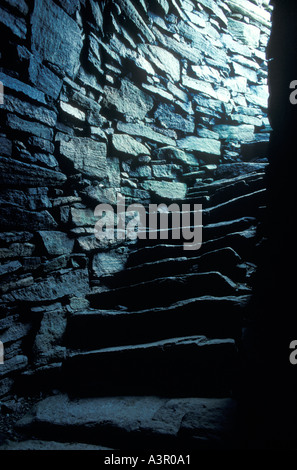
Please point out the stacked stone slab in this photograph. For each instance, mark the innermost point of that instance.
(158, 101)
(141, 324)
(175, 335)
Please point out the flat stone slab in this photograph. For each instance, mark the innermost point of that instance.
(49, 445)
(211, 316)
(166, 290)
(130, 421)
(191, 366)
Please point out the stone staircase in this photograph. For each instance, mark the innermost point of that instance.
(162, 338)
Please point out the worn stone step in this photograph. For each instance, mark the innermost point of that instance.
(242, 206)
(155, 252)
(214, 317)
(132, 422)
(228, 189)
(230, 207)
(215, 230)
(50, 445)
(246, 205)
(204, 232)
(242, 242)
(193, 365)
(226, 180)
(166, 290)
(210, 231)
(224, 260)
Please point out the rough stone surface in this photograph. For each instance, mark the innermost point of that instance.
(38, 445)
(108, 263)
(127, 145)
(56, 243)
(52, 288)
(20, 173)
(166, 190)
(128, 100)
(201, 145)
(55, 36)
(165, 61)
(47, 345)
(87, 155)
(247, 33)
(146, 132)
(157, 417)
(16, 25)
(169, 119)
(42, 220)
(29, 127)
(176, 155)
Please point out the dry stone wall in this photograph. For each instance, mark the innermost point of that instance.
(144, 98)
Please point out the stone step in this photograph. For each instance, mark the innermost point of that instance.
(156, 251)
(50, 445)
(220, 209)
(242, 206)
(216, 230)
(132, 422)
(165, 291)
(214, 317)
(226, 180)
(224, 260)
(242, 242)
(219, 192)
(209, 231)
(191, 366)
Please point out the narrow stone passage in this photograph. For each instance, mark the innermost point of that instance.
(119, 343)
